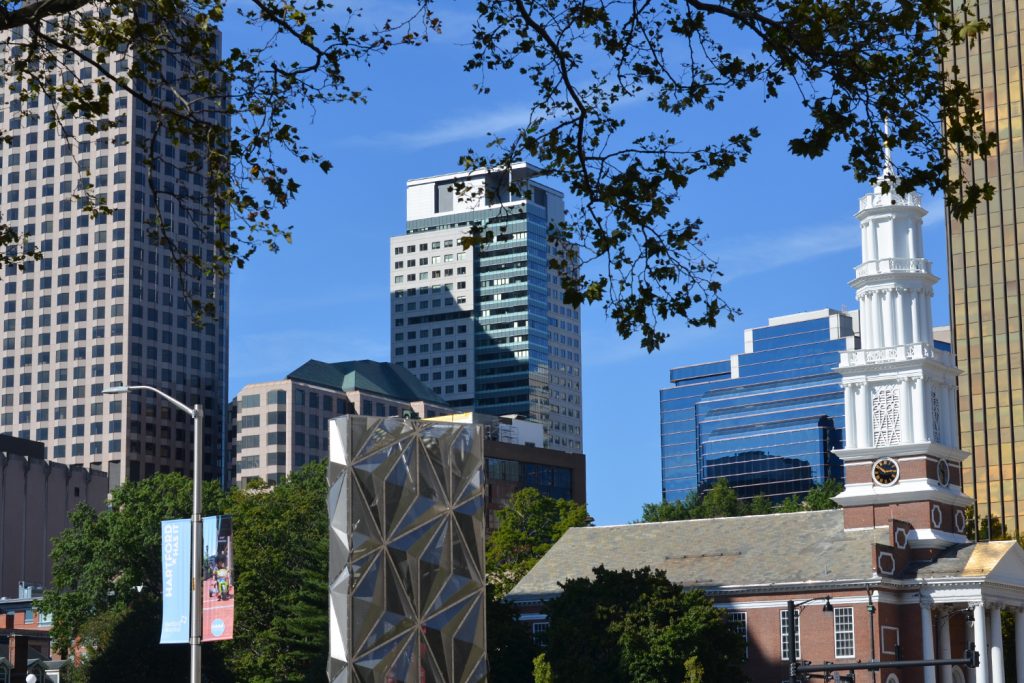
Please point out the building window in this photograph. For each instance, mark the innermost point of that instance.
(785, 634)
(251, 401)
(844, 631)
(738, 623)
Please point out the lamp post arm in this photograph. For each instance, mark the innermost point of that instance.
(177, 404)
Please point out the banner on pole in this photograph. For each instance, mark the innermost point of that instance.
(176, 545)
(218, 581)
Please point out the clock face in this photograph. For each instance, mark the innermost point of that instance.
(885, 472)
(943, 472)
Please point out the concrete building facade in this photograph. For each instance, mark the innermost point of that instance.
(277, 427)
(36, 497)
(105, 304)
(513, 461)
(485, 326)
(986, 264)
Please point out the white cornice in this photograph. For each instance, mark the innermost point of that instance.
(936, 450)
(908, 491)
(935, 538)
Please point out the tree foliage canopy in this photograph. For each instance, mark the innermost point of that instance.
(853, 64)
(637, 626)
(280, 538)
(527, 528)
(721, 501)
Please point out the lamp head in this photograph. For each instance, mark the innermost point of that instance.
(116, 389)
(828, 605)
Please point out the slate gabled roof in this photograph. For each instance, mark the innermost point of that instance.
(729, 552)
(384, 379)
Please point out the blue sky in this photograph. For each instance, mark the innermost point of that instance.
(782, 228)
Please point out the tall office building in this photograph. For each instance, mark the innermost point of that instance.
(767, 420)
(485, 327)
(105, 304)
(986, 262)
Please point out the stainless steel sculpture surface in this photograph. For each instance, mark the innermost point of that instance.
(407, 594)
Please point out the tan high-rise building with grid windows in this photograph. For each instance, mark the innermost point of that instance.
(986, 261)
(105, 304)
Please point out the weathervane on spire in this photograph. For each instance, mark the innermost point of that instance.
(890, 172)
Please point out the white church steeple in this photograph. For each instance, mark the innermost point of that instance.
(902, 455)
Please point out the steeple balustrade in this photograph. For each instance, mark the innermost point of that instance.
(894, 265)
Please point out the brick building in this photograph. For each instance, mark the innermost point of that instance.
(895, 562)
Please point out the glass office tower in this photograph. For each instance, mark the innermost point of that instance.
(985, 266)
(768, 419)
(486, 327)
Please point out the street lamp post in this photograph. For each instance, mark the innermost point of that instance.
(791, 613)
(196, 628)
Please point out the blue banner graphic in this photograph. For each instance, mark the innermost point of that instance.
(176, 544)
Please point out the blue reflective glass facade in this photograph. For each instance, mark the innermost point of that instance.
(767, 420)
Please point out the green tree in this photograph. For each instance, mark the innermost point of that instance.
(510, 647)
(670, 510)
(635, 625)
(853, 64)
(281, 552)
(720, 501)
(820, 497)
(102, 558)
(669, 628)
(527, 528)
(542, 670)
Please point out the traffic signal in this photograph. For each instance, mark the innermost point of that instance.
(974, 656)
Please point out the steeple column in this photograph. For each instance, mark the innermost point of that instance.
(849, 431)
(906, 424)
(927, 336)
(915, 315)
(900, 318)
(884, 330)
(872, 241)
(864, 416)
(891, 314)
(920, 435)
(950, 419)
(865, 320)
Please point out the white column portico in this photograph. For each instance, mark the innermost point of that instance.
(981, 674)
(927, 639)
(945, 648)
(995, 631)
(1018, 631)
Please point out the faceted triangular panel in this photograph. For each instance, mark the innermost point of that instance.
(399, 552)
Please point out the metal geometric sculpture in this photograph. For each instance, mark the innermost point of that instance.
(407, 594)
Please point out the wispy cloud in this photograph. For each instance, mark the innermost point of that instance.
(760, 254)
(449, 130)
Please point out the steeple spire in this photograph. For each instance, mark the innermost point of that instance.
(889, 171)
(901, 436)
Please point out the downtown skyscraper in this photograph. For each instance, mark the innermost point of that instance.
(486, 327)
(986, 262)
(106, 304)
